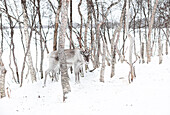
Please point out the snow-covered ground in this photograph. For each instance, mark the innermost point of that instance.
(149, 94)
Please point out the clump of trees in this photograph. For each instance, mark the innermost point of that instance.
(143, 27)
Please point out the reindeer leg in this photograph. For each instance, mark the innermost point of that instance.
(57, 72)
(82, 71)
(78, 78)
(46, 73)
(76, 71)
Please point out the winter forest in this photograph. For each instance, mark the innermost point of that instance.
(84, 57)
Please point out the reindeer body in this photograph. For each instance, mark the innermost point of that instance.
(74, 57)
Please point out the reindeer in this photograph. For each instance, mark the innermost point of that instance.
(74, 57)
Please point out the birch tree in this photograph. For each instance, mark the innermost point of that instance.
(114, 44)
(56, 26)
(62, 34)
(2, 33)
(103, 63)
(150, 31)
(131, 39)
(27, 37)
(2, 77)
(159, 45)
(12, 45)
(81, 25)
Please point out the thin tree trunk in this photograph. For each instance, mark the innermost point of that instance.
(71, 23)
(41, 40)
(142, 53)
(12, 42)
(36, 47)
(30, 62)
(131, 73)
(150, 31)
(81, 24)
(56, 25)
(145, 27)
(62, 34)
(167, 32)
(87, 24)
(86, 28)
(20, 27)
(140, 32)
(114, 44)
(10, 65)
(2, 33)
(98, 33)
(103, 63)
(160, 47)
(2, 77)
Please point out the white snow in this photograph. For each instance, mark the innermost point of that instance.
(149, 94)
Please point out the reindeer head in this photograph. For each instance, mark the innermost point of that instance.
(86, 54)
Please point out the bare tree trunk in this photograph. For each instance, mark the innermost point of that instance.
(98, 33)
(86, 27)
(114, 44)
(150, 31)
(20, 27)
(71, 23)
(81, 25)
(103, 62)
(56, 25)
(12, 46)
(2, 33)
(62, 34)
(41, 40)
(140, 32)
(167, 32)
(30, 62)
(36, 47)
(132, 72)
(142, 53)
(160, 47)
(2, 77)
(87, 24)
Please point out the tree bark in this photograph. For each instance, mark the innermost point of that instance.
(114, 44)
(127, 33)
(160, 47)
(81, 24)
(87, 24)
(167, 32)
(12, 45)
(71, 23)
(2, 33)
(103, 63)
(2, 77)
(30, 62)
(62, 34)
(142, 52)
(56, 25)
(150, 31)
(41, 40)
(98, 33)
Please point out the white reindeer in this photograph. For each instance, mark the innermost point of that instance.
(74, 57)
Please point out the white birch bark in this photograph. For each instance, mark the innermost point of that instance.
(160, 49)
(150, 31)
(114, 45)
(26, 33)
(62, 34)
(103, 62)
(167, 32)
(2, 77)
(131, 74)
